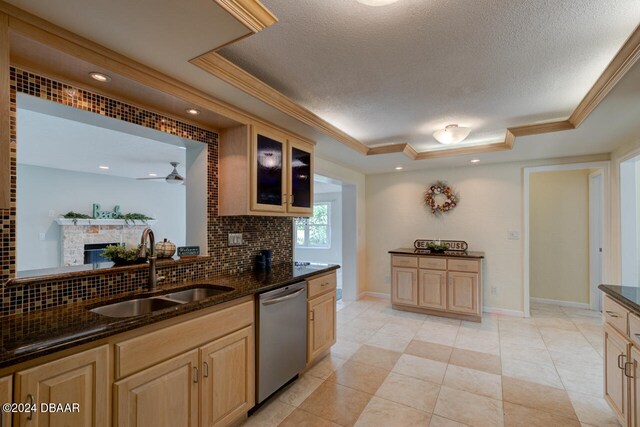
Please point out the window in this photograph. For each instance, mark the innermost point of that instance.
(315, 232)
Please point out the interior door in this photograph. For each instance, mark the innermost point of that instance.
(595, 239)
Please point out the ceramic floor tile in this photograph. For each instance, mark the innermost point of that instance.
(473, 381)
(469, 408)
(521, 416)
(326, 366)
(516, 338)
(409, 391)
(351, 333)
(527, 354)
(582, 378)
(423, 369)
(593, 410)
(481, 341)
(358, 376)
(429, 350)
(336, 403)
(476, 360)
(438, 421)
(400, 330)
(345, 349)
(270, 415)
(537, 396)
(375, 356)
(444, 334)
(300, 418)
(381, 412)
(535, 372)
(299, 390)
(367, 323)
(390, 342)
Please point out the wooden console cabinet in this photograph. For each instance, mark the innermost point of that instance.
(441, 285)
(321, 315)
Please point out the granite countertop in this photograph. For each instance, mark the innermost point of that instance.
(32, 335)
(628, 296)
(412, 251)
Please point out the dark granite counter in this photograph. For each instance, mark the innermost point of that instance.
(422, 252)
(627, 296)
(35, 334)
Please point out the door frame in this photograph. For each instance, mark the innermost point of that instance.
(605, 167)
(626, 157)
(595, 299)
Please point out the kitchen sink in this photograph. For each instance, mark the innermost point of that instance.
(197, 294)
(135, 307)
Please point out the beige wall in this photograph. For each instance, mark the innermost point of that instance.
(559, 235)
(491, 204)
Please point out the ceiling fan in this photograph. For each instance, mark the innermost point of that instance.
(173, 178)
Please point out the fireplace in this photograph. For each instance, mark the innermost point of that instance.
(93, 252)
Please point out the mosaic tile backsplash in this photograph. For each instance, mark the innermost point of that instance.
(258, 232)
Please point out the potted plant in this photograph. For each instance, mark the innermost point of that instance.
(121, 255)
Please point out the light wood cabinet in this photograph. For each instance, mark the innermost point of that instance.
(81, 378)
(632, 372)
(165, 395)
(432, 289)
(616, 349)
(265, 171)
(404, 288)
(228, 383)
(321, 315)
(6, 396)
(438, 285)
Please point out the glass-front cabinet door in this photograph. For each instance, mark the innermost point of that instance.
(268, 183)
(300, 183)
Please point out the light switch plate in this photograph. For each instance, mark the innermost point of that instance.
(235, 239)
(513, 235)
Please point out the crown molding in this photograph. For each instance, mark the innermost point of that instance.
(225, 70)
(250, 13)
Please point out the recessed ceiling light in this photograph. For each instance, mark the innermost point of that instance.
(475, 161)
(153, 174)
(399, 168)
(104, 167)
(193, 111)
(376, 2)
(100, 77)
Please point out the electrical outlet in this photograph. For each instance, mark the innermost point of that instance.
(235, 239)
(513, 235)
(52, 213)
(41, 236)
(494, 290)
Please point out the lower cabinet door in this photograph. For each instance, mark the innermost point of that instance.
(228, 367)
(463, 295)
(432, 289)
(632, 370)
(81, 378)
(165, 395)
(404, 286)
(6, 396)
(615, 381)
(321, 324)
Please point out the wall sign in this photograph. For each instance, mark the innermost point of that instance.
(98, 213)
(188, 251)
(451, 245)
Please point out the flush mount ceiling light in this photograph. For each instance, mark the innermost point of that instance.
(103, 167)
(399, 168)
(475, 161)
(100, 77)
(451, 134)
(193, 111)
(376, 2)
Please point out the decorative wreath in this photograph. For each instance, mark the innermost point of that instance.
(440, 198)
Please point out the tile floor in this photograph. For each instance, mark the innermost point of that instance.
(393, 368)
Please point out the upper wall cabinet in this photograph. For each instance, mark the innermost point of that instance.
(264, 172)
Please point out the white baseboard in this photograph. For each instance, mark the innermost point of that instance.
(379, 295)
(503, 311)
(583, 305)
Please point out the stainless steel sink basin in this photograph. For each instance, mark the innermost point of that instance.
(197, 294)
(135, 307)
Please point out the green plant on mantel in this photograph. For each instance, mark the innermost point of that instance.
(130, 217)
(121, 255)
(75, 216)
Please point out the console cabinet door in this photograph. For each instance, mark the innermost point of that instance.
(432, 289)
(6, 396)
(165, 395)
(300, 182)
(462, 294)
(228, 389)
(633, 372)
(404, 286)
(321, 324)
(615, 382)
(268, 171)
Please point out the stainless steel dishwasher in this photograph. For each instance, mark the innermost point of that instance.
(282, 337)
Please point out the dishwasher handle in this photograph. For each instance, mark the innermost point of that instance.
(284, 298)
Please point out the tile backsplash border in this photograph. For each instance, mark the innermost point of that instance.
(34, 294)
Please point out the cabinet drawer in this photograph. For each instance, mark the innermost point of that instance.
(321, 285)
(147, 350)
(634, 329)
(404, 261)
(463, 265)
(615, 314)
(433, 263)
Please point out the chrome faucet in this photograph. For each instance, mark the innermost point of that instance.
(148, 234)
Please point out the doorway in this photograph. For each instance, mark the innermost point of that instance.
(566, 248)
(629, 227)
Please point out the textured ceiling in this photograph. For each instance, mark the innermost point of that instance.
(397, 73)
